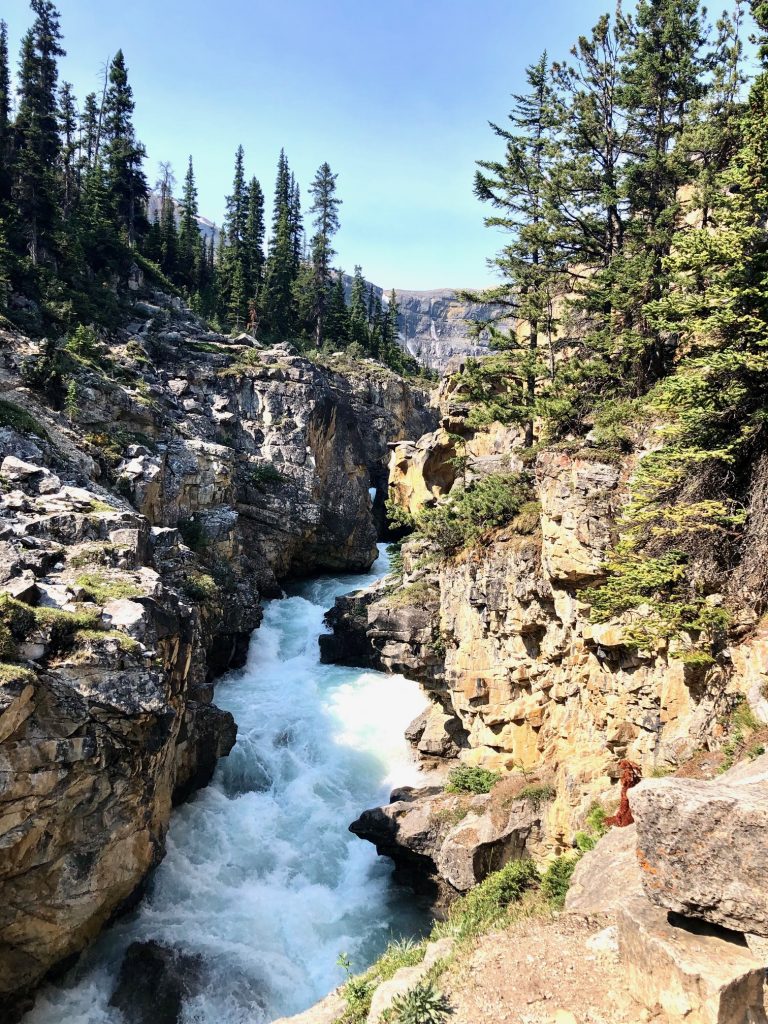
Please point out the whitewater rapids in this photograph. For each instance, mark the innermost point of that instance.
(262, 878)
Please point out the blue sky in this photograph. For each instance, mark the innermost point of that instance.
(396, 97)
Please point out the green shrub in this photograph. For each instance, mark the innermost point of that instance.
(263, 477)
(422, 1005)
(487, 903)
(557, 879)
(538, 794)
(359, 990)
(399, 518)
(199, 586)
(487, 504)
(15, 674)
(466, 778)
(416, 595)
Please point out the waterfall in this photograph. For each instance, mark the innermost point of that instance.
(262, 879)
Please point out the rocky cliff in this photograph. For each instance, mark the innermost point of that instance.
(523, 681)
(436, 327)
(154, 486)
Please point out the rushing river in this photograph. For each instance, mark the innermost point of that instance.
(262, 878)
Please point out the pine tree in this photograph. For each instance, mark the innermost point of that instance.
(36, 188)
(533, 261)
(337, 315)
(168, 234)
(68, 121)
(324, 209)
(662, 78)
(277, 305)
(295, 224)
(124, 156)
(392, 329)
(5, 117)
(89, 131)
(189, 232)
(233, 273)
(358, 312)
(253, 242)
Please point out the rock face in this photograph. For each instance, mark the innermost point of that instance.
(153, 983)
(443, 844)
(135, 546)
(702, 846)
(501, 633)
(436, 327)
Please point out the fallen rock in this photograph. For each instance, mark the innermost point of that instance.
(689, 971)
(607, 876)
(703, 846)
(154, 981)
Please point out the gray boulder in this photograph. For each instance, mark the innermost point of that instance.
(703, 846)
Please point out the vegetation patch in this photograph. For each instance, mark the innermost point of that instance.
(415, 595)
(466, 778)
(101, 588)
(741, 724)
(537, 794)
(199, 586)
(10, 673)
(19, 419)
(458, 521)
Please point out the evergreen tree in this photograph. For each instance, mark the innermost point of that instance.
(392, 329)
(36, 189)
(124, 156)
(5, 117)
(90, 122)
(662, 78)
(533, 261)
(168, 235)
(295, 224)
(324, 209)
(277, 305)
(189, 232)
(253, 242)
(337, 315)
(68, 121)
(233, 273)
(358, 311)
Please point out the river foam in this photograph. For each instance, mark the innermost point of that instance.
(262, 878)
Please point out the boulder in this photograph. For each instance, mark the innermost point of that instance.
(443, 843)
(405, 979)
(703, 845)
(154, 982)
(688, 971)
(607, 876)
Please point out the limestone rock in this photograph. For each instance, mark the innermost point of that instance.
(575, 496)
(443, 844)
(689, 971)
(703, 846)
(406, 978)
(607, 876)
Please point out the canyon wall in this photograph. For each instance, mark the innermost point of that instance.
(523, 681)
(139, 531)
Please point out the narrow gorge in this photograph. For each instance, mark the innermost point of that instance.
(384, 656)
